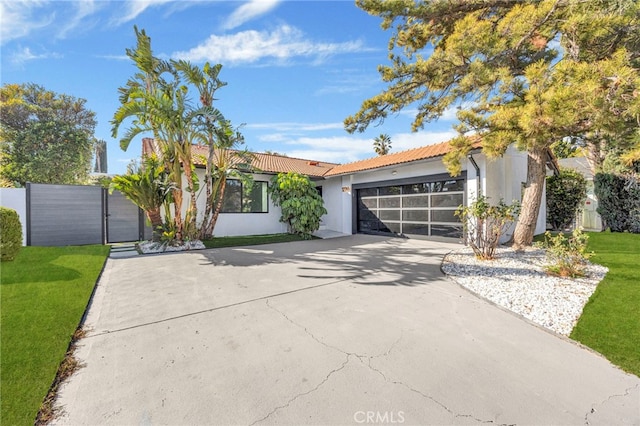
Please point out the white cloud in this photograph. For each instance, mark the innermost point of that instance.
(133, 8)
(274, 137)
(114, 57)
(345, 149)
(448, 114)
(404, 141)
(336, 149)
(284, 43)
(83, 9)
(350, 82)
(25, 55)
(17, 20)
(286, 127)
(248, 11)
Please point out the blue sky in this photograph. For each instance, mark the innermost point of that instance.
(295, 69)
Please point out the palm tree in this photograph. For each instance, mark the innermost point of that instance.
(206, 118)
(156, 101)
(149, 187)
(227, 139)
(382, 144)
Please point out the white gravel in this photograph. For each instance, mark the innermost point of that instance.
(158, 247)
(518, 282)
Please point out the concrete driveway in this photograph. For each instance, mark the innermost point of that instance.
(355, 330)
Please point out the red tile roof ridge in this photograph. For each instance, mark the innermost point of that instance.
(294, 158)
(274, 155)
(315, 167)
(422, 152)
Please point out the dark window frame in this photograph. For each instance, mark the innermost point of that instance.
(242, 198)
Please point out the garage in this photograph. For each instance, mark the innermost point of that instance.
(422, 206)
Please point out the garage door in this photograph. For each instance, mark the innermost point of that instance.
(422, 208)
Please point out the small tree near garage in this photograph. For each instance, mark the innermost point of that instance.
(484, 224)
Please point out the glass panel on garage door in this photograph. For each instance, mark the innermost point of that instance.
(420, 208)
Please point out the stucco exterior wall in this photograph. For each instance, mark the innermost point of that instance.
(333, 198)
(504, 178)
(339, 216)
(16, 199)
(235, 224)
(500, 178)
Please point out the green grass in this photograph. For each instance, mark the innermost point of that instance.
(44, 292)
(610, 322)
(250, 240)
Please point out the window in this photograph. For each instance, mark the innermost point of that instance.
(243, 198)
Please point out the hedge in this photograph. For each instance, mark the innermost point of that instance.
(618, 201)
(10, 234)
(565, 194)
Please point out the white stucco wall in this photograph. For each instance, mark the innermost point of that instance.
(235, 224)
(504, 178)
(500, 178)
(16, 199)
(339, 216)
(333, 198)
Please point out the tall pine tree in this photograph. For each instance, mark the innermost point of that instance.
(528, 72)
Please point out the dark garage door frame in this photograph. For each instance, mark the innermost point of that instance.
(356, 188)
(59, 215)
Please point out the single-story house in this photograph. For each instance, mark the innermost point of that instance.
(406, 193)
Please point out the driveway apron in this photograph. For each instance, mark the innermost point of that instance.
(353, 330)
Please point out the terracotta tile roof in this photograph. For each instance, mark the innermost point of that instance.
(415, 154)
(267, 163)
(270, 163)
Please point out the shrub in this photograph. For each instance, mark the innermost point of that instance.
(10, 234)
(609, 189)
(567, 257)
(301, 204)
(148, 186)
(618, 201)
(632, 187)
(565, 194)
(484, 224)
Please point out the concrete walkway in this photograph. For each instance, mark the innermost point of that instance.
(353, 330)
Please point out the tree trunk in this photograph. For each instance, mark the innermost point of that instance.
(156, 222)
(595, 153)
(216, 211)
(192, 209)
(177, 212)
(209, 203)
(532, 198)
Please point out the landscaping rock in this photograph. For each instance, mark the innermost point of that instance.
(517, 281)
(147, 247)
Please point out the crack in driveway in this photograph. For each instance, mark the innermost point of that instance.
(362, 359)
(280, 407)
(593, 410)
(309, 333)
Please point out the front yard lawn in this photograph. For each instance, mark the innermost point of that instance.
(44, 293)
(610, 321)
(250, 240)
